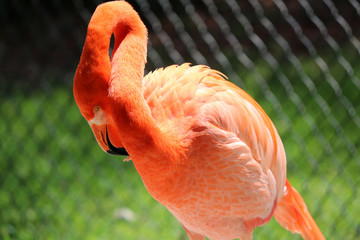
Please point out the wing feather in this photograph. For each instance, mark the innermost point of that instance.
(186, 99)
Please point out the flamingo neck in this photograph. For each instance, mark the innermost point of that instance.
(152, 152)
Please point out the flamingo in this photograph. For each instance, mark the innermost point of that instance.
(203, 147)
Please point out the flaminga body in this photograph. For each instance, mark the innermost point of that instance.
(202, 146)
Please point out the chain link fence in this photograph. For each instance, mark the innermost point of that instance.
(298, 58)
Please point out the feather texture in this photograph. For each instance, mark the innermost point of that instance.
(228, 176)
(203, 147)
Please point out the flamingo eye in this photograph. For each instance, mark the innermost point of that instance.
(96, 109)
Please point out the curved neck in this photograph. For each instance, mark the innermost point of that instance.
(149, 148)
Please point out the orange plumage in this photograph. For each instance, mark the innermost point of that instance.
(203, 147)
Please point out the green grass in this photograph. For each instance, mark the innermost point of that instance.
(56, 183)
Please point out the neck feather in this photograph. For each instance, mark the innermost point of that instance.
(151, 150)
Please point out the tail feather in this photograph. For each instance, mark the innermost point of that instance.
(293, 215)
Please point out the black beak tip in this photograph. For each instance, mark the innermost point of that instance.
(114, 150)
(110, 152)
(118, 151)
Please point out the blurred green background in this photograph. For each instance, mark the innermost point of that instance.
(299, 59)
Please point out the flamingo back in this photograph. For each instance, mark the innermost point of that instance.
(235, 161)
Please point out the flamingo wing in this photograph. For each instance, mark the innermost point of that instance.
(182, 97)
(234, 149)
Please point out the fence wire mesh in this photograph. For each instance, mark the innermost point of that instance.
(298, 58)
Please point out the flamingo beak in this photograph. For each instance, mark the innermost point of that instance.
(102, 137)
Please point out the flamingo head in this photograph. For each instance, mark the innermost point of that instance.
(104, 130)
(91, 95)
